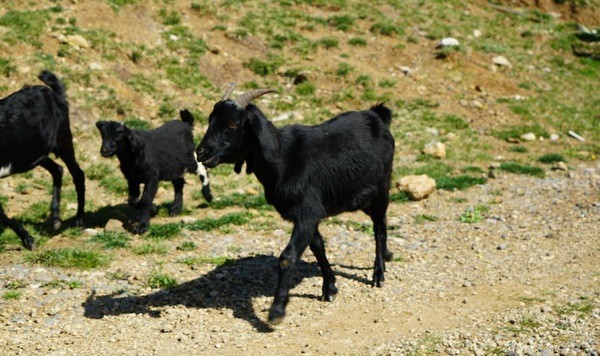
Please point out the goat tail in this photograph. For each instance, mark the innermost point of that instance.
(187, 117)
(383, 112)
(53, 82)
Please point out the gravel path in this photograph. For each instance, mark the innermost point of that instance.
(525, 280)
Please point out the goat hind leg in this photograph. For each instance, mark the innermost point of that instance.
(317, 246)
(203, 174)
(26, 240)
(67, 154)
(57, 172)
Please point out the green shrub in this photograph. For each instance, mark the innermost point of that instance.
(514, 167)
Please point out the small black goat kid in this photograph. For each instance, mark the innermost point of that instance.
(34, 122)
(147, 157)
(308, 173)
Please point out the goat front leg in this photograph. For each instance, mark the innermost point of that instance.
(133, 188)
(57, 172)
(175, 209)
(145, 205)
(301, 238)
(26, 240)
(317, 246)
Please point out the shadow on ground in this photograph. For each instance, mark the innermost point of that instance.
(231, 286)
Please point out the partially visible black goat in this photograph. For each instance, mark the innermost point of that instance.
(34, 122)
(308, 173)
(148, 157)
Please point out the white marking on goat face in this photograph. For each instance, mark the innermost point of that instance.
(5, 171)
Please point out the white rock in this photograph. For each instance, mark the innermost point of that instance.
(449, 42)
(404, 69)
(96, 66)
(77, 41)
(113, 225)
(560, 166)
(554, 137)
(501, 61)
(530, 136)
(476, 33)
(436, 149)
(418, 187)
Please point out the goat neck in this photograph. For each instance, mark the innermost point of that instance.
(263, 147)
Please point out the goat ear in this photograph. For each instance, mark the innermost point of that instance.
(137, 145)
(100, 124)
(267, 136)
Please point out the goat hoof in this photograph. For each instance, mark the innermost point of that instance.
(388, 256)
(207, 194)
(28, 242)
(80, 222)
(56, 223)
(276, 316)
(328, 297)
(174, 211)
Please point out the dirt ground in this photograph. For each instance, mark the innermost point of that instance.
(525, 280)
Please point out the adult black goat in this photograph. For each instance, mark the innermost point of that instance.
(308, 173)
(34, 122)
(147, 157)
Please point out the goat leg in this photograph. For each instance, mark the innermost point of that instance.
(317, 246)
(175, 209)
(301, 237)
(26, 240)
(57, 172)
(146, 206)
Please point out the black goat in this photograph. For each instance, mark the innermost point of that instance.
(148, 157)
(308, 173)
(34, 122)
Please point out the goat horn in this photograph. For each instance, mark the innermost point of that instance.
(246, 98)
(229, 91)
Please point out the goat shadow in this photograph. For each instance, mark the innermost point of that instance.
(231, 286)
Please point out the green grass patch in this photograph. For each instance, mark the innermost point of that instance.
(584, 307)
(206, 260)
(306, 89)
(150, 249)
(329, 42)
(550, 158)
(16, 284)
(111, 239)
(517, 168)
(246, 201)
(62, 284)
(400, 197)
(138, 124)
(161, 281)
(114, 184)
(458, 183)
(187, 246)
(264, 68)
(163, 231)
(6, 67)
(341, 22)
(518, 149)
(357, 42)
(423, 218)
(209, 224)
(25, 26)
(474, 214)
(12, 295)
(68, 258)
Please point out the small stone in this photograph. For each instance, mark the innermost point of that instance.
(77, 41)
(554, 137)
(449, 42)
(501, 61)
(418, 187)
(436, 149)
(476, 33)
(502, 247)
(96, 66)
(451, 136)
(467, 284)
(476, 104)
(114, 225)
(404, 69)
(166, 328)
(530, 136)
(560, 166)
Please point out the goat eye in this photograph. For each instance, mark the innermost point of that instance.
(232, 126)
